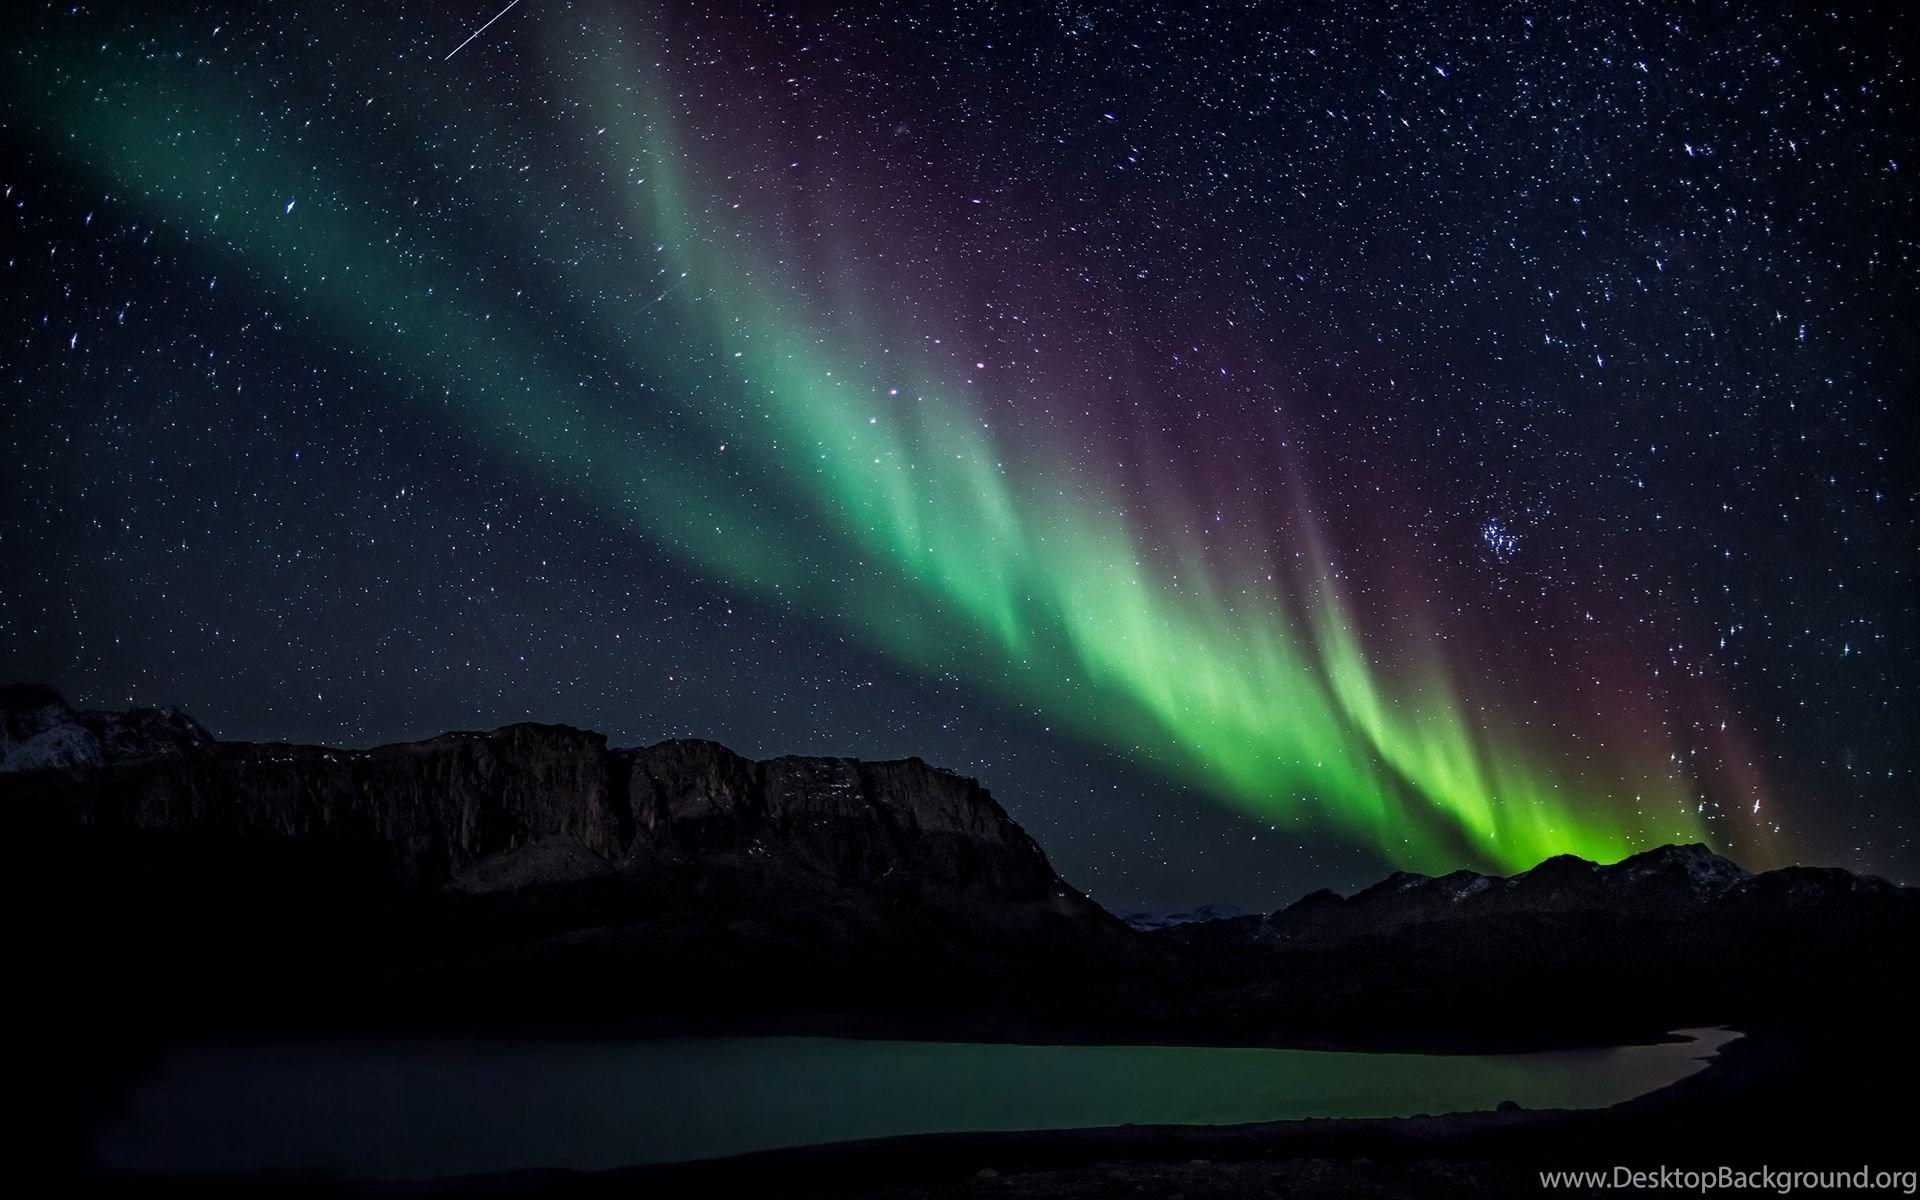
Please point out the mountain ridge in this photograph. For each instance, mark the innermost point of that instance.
(37, 724)
(498, 870)
(454, 802)
(534, 873)
(39, 729)
(1670, 880)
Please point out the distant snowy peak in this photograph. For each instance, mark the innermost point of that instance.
(1671, 881)
(1148, 922)
(39, 731)
(1699, 869)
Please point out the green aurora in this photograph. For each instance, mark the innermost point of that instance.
(799, 442)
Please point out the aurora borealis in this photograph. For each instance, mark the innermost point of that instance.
(960, 345)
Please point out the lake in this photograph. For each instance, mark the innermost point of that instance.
(415, 1109)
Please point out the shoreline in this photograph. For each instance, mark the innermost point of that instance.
(1710, 1111)
(875, 1157)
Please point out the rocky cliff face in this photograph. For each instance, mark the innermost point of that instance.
(39, 730)
(432, 808)
(528, 804)
(536, 853)
(898, 823)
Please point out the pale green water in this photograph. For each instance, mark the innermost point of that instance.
(405, 1109)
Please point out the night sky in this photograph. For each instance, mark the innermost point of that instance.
(1267, 444)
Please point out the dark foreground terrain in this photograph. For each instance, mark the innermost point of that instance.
(165, 885)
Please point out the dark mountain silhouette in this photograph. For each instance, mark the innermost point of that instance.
(1671, 883)
(532, 873)
(38, 729)
(1672, 936)
(535, 874)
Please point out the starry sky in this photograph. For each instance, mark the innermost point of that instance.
(1267, 444)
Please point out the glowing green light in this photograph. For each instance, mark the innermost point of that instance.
(879, 500)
